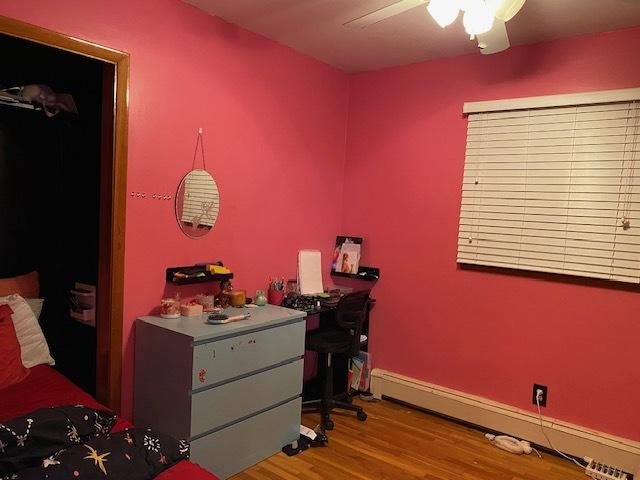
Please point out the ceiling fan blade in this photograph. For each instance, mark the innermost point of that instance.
(384, 13)
(508, 9)
(495, 40)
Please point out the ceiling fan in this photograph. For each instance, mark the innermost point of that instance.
(484, 20)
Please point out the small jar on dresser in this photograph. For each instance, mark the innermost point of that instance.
(233, 390)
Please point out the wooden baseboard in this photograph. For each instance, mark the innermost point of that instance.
(571, 439)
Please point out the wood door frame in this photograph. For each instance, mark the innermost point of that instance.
(113, 184)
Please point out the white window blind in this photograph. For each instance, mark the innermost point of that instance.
(554, 189)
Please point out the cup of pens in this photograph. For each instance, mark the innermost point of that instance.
(275, 294)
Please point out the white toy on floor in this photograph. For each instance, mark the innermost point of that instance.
(510, 444)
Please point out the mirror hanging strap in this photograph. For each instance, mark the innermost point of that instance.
(199, 143)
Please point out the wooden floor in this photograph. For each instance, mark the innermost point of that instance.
(397, 442)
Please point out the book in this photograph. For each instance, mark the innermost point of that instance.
(346, 256)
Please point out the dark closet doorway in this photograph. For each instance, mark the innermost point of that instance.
(73, 213)
(50, 193)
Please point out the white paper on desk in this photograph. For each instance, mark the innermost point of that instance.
(310, 272)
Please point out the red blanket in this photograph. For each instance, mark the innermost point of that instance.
(45, 387)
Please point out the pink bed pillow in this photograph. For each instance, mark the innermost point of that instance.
(27, 285)
(12, 371)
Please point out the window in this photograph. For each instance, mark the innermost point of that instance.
(550, 184)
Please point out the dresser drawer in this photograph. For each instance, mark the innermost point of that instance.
(235, 448)
(228, 358)
(234, 400)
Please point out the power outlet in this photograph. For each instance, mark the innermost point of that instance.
(543, 400)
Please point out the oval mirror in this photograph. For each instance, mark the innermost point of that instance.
(197, 203)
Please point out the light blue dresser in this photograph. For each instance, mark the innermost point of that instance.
(233, 390)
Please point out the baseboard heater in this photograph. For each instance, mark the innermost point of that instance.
(574, 440)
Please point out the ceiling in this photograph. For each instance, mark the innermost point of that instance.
(315, 27)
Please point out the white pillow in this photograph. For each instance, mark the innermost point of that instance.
(33, 346)
(35, 304)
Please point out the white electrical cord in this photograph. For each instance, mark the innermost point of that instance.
(548, 440)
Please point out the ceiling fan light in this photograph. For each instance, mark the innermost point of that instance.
(444, 12)
(479, 19)
(496, 5)
(467, 4)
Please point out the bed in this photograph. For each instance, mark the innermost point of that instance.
(45, 387)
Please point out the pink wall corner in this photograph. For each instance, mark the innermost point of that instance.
(486, 333)
(274, 124)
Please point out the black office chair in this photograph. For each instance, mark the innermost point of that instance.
(351, 313)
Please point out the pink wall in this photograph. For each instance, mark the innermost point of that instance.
(274, 123)
(489, 334)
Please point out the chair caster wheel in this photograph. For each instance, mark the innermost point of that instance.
(362, 416)
(328, 425)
